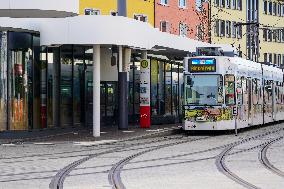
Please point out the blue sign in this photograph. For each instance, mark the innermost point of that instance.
(203, 62)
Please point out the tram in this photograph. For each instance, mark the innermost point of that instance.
(222, 93)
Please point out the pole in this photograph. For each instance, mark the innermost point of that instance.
(96, 91)
(124, 59)
(236, 126)
(122, 8)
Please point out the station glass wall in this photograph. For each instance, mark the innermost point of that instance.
(19, 81)
(166, 88)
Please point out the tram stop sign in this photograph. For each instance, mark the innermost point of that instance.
(235, 111)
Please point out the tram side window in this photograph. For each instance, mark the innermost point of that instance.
(256, 91)
(239, 91)
(229, 89)
(268, 92)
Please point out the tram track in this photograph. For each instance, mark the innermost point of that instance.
(116, 182)
(264, 160)
(114, 174)
(222, 167)
(58, 180)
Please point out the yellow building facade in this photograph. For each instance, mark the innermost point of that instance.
(229, 26)
(271, 19)
(224, 19)
(136, 9)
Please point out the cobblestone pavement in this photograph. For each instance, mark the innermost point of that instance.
(173, 161)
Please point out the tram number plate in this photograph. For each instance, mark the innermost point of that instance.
(235, 111)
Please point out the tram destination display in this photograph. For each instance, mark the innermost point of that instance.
(202, 65)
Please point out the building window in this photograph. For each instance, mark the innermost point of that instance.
(269, 35)
(217, 28)
(283, 10)
(183, 29)
(216, 3)
(275, 59)
(141, 17)
(228, 28)
(222, 28)
(240, 4)
(164, 2)
(279, 60)
(182, 3)
(274, 9)
(282, 59)
(274, 35)
(265, 34)
(228, 4)
(89, 11)
(270, 8)
(234, 30)
(234, 4)
(200, 33)
(265, 7)
(279, 9)
(239, 31)
(270, 58)
(265, 57)
(223, 3)
(164, 26)
(282, 35)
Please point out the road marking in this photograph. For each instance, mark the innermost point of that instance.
(8, 144)
(157, 130)
(43, 143)
(93, 143)
(128, 131)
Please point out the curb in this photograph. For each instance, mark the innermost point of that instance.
(163, 132)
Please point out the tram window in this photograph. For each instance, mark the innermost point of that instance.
(202, 90)
(229, 89)
(239, 91)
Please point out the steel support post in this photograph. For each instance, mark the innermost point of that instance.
(124, 60)
(96, 91)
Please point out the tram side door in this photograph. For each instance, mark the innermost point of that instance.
(274, 101)
(250, 112)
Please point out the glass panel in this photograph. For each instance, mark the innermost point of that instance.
(154, 87)
(175, 88)
(131, 91)
(20, 81)
(89, 85)
(181, 89)
(229, 89)
(78, 84)
(103, 99)
(111, 99)
(34, 80)
(137, 88)
(168, 88)
(202, 89)
(66, 105)
(161, 89)
(3, 81)
(43, 86)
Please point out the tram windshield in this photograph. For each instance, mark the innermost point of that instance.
(203, 90)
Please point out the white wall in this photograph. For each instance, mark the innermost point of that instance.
(108, 72)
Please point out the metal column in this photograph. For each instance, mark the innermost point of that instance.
(96, 91)
(124, 60)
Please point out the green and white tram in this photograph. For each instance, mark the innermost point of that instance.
(223, 92)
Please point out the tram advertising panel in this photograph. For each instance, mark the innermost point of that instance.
(202, 65)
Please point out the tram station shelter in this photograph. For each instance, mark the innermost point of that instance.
(58, 69)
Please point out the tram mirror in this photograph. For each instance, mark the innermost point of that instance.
(113, 61)
(189, 81)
